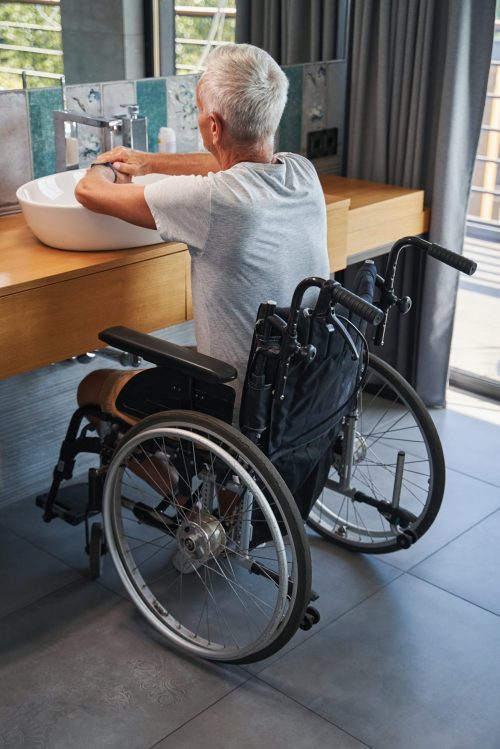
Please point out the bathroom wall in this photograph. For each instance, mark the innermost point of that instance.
(316, 102)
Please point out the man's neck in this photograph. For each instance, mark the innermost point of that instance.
(259, 153)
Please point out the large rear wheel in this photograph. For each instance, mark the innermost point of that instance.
(206, 537)
(397, 460)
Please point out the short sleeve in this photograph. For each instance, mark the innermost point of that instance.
(181, 208)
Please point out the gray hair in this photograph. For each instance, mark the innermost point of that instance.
(247, 88)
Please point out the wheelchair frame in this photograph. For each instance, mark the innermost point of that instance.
(252, 554)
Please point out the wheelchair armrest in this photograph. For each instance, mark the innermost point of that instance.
(164, 353)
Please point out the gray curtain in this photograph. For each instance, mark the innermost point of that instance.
(294, 31)
(418, 77)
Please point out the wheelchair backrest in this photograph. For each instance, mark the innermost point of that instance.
(297, 392)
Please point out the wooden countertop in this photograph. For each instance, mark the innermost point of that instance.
(53, 302)
(26, 263)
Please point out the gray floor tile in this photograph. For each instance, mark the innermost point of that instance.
(63, 541)
(81, 669)
(468, 567)
(466, 501)
(469, 431)
(342, 580)
(256, 716)
(28, 573)
(412, 667)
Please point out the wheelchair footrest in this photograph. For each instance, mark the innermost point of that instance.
(71, 503)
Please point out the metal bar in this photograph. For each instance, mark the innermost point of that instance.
(496, 193)
(35, 50)
(488, 158)
(28, 26)
(187, 67)
(192, 10)
(38, 2)
(35, 73)
(201, 42)
(473, 383)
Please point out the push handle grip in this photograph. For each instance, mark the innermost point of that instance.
(358, 306)
(459, 262)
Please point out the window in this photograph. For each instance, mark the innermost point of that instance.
(199, 28)
(30, 44)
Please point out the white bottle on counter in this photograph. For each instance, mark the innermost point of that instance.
(166, 140)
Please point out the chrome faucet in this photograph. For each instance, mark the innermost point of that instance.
(65, 122)
(134, 128)
(129, 130)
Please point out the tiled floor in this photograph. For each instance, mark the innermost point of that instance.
(406, 655)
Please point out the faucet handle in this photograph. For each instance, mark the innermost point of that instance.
(132, 109)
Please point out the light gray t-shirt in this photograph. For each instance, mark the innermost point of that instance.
(253, 231)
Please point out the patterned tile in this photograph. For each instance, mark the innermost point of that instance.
(152, 101)
(15, 154)
(84, 98)
(291, 122)
(182, 112)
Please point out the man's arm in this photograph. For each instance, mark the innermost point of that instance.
(137, 163)
(98, 192)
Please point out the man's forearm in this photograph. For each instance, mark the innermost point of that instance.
(184, 163)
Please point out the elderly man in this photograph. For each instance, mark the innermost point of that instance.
(254, 221)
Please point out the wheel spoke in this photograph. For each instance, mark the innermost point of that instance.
(390, 419)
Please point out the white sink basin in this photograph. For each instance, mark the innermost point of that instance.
(56, 218)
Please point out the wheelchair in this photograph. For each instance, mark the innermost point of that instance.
(205, 523)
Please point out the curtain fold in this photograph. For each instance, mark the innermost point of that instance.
(294, 31)
(418, 78)
(419, 73)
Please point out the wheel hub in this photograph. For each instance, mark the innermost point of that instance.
(360, 448)
(201, 539)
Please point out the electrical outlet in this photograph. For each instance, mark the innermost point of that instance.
(322, 143)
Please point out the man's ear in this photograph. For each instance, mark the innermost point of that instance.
(216, 127)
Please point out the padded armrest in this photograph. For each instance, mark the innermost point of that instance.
(164, 353)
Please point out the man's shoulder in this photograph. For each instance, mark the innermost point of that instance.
(289, 157)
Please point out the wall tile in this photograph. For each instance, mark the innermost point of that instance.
(42, 102)
(182, 112)
(152, 101)
(291, 122)
(117, 96)
(86, 97)
(15, 153)
(314, 101)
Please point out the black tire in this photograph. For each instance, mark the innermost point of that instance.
(386, 399)
(156, 536)
(95, 551)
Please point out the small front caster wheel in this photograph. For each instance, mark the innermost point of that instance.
(406, 539)
(96, 551)
(311, 617)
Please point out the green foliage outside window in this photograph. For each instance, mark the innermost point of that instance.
(37, 15)
(219, 28)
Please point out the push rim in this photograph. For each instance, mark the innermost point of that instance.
(252, 623)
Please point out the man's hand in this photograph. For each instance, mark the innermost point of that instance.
(127, 162)
(104, 170)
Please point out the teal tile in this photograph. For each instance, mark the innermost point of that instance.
(152, 101)
(42, 102)
(291, 122)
